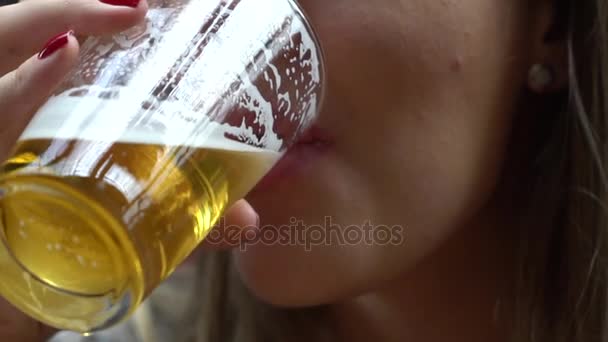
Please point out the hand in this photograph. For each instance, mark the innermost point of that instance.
(15, 326)
(233, 227)
(26, 82)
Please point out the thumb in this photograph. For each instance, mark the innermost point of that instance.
(16, 326)
(23, 90)
(239, 224)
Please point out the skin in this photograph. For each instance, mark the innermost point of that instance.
(420, 109)
(434, 85)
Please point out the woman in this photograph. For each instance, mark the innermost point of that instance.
(476, 130)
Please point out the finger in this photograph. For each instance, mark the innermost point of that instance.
(25, 26)
(24, 89)
(16, 326)
(239, 223)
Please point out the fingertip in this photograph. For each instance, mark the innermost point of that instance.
(133, 14)
(141, 9)
(124, 16)
(41, 73)
(61, 46)
(243, 214)
(46, 332)
(72, 48)
(58, 56)
(27, 87)
(240, 221)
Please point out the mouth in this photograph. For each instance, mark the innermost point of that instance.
(298, 159)
(313, 136)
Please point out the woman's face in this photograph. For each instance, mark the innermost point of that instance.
(411, 143)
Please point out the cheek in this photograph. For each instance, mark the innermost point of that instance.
(419, 102)
(423, 101)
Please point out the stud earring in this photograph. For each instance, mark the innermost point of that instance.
(540, 77)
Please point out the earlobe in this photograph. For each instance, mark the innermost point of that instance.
(544, 78)
(540, 78)
(549, 58)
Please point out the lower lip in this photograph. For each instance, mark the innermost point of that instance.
(295, 162)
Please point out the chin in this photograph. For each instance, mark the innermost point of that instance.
(277, 287)
(277, 275)
(294, 277)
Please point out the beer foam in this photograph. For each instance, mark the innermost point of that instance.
(104, 120)
(170, 80)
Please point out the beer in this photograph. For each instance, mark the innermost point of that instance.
(138, 152)
(88, 221)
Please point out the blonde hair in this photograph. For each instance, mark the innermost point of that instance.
(563, 244)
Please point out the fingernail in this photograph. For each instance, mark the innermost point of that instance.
(54, 44)
(129, 3)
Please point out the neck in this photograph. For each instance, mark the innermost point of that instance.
(454, 294)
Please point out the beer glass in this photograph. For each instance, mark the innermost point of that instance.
(130, 163)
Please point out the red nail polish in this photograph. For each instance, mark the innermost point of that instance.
(54, 44)
(130, 3)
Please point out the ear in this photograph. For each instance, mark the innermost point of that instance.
(548, 69)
